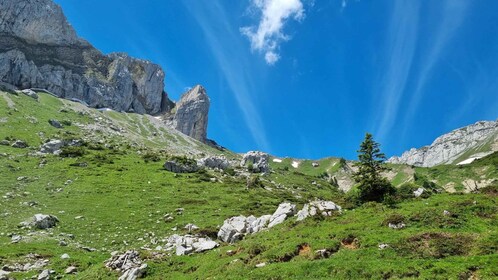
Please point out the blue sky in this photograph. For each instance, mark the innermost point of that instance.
(308, 78)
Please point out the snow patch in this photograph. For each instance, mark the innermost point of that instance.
(277, 160)
(295, 164)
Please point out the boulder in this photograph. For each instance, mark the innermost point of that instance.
(283, 211)
(52, 147)
(19, 144)
(44, 275)
(41, 221)
(5, 142)
(418, 192)
(233, 229)
(185, 166)
(71, 270)
(30, 93)
(258, 161)
(215, 162)
(204, 245)
(4, 275)
(55, 123)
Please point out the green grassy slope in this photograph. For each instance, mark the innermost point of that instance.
(122, 200)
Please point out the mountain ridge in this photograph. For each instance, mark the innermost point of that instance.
(472, 141)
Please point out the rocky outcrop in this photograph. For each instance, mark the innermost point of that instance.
(181, 166)
(187, 244)
(448, 148)
(256, 161)
(214, 162)
(40, 49)
(324, 208)
(191, 116)
(41, 221)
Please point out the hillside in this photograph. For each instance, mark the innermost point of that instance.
(112, 194)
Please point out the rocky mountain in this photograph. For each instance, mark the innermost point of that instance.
(191, 116)
(40, 49)
(459, 146)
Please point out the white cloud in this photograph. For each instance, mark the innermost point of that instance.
(268, 35)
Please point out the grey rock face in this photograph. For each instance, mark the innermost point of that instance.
(258, 160)
(19, 144)
(447, 148)
(191, 117)
(40, 49)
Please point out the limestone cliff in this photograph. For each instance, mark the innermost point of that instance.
(465, 143)
(40, 49)
(191, 116)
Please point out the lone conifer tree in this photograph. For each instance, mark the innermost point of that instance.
(372, 186)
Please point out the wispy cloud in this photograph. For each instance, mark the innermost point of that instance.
(452, 15)
(225, 45)
(267, 36)
(400, 47)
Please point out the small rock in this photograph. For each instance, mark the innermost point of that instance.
(446, 213)
(20, 144)
(418, 192)
(397, 226)
(260, 265)
(191, 227)
(16, 239)
(71, 270)
(44, 275)
(383, 246)
(5, 143)
(230, 253)
(62, 243)
(55, 123)
(315, 164)
(65, 256)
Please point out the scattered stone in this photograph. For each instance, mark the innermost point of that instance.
(258, 161)
(260, 265)
(15, 238)
(446, 213)
(129, 264)
(397, 226)
(168, 217)
(62, 243)
(5, 142)
(323, 254)
(55, 123)
(30, 93)
(191, 227)
(20, 144)
(315, 164)
(71, 270)
(78, 217)
(44, 275)
(230, 253)
(65, 256)
(187, 244)
(383, 246)
(418, 192)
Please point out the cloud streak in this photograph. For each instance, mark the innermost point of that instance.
(213, 21)
(452, 16)
(401, 44)
(268, 35)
